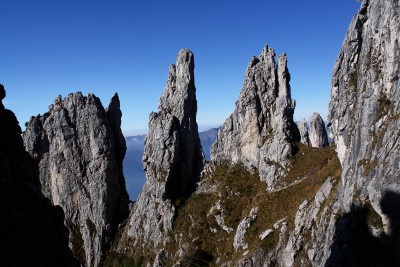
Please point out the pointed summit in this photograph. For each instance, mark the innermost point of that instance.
(259, 132)
(173, 157)
(79, 148)
(179, 96)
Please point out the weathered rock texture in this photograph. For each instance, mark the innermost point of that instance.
(32, 230)
(173, 157)
(318, 135)
(303, 131)
(260, 132)
(364, 121)
(79, 148)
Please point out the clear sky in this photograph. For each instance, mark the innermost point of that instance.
(52, 47)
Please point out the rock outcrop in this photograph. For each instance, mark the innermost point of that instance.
(173, 157)
(79, 148)
(32, 230)
(317, 134)
(260, 132)
(303, 131)
(364, 122)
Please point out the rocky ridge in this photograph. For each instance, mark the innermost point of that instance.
(323, 210)
(79, 148)
(32, 230)
(173, 158)
(260, 132)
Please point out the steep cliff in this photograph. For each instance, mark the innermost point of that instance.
(79, 148)
(32, 230)
(354, 220)
(173, 159)
(260, 132)
(364, 121)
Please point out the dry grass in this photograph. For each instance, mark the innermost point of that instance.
(238, 192)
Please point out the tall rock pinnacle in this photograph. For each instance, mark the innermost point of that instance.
(318, 135)
(79, 148)
(259, 132)
(173, 157)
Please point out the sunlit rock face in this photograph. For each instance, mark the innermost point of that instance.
(317, 134)
(260, 131)
(364, 121)
(79, 148)
(173, 158)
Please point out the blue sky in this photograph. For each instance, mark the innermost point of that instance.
(57, 47)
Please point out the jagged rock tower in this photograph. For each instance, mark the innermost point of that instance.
(79, 148)
(260, 132)
(173, 157)
(317, 134)
(32, 230)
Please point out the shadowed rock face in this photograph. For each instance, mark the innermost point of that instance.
(173, 157)
(32, 230)
(318, 135)
(79, 148)
(259, 132)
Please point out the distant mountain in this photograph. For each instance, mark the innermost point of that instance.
(133, 165)
(207, 138)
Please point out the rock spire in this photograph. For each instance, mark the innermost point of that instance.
(317, 134)
(79, 148)
(173, 157)
(259, 132)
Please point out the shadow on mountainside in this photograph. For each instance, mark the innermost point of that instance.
(355, 245)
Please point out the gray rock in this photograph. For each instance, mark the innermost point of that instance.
(363, 121)
(318, 135)
(260, 131)
(173, 158)
(238, 240)
(79, 148)
(303, 130)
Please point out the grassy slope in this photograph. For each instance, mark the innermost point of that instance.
(238, 191)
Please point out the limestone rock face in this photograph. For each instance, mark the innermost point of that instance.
(259, 132)
(79, 148)
(173, 157)
(303, 131)
(364, 122)
(32, 230)
(318, 134)
(364, 108)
